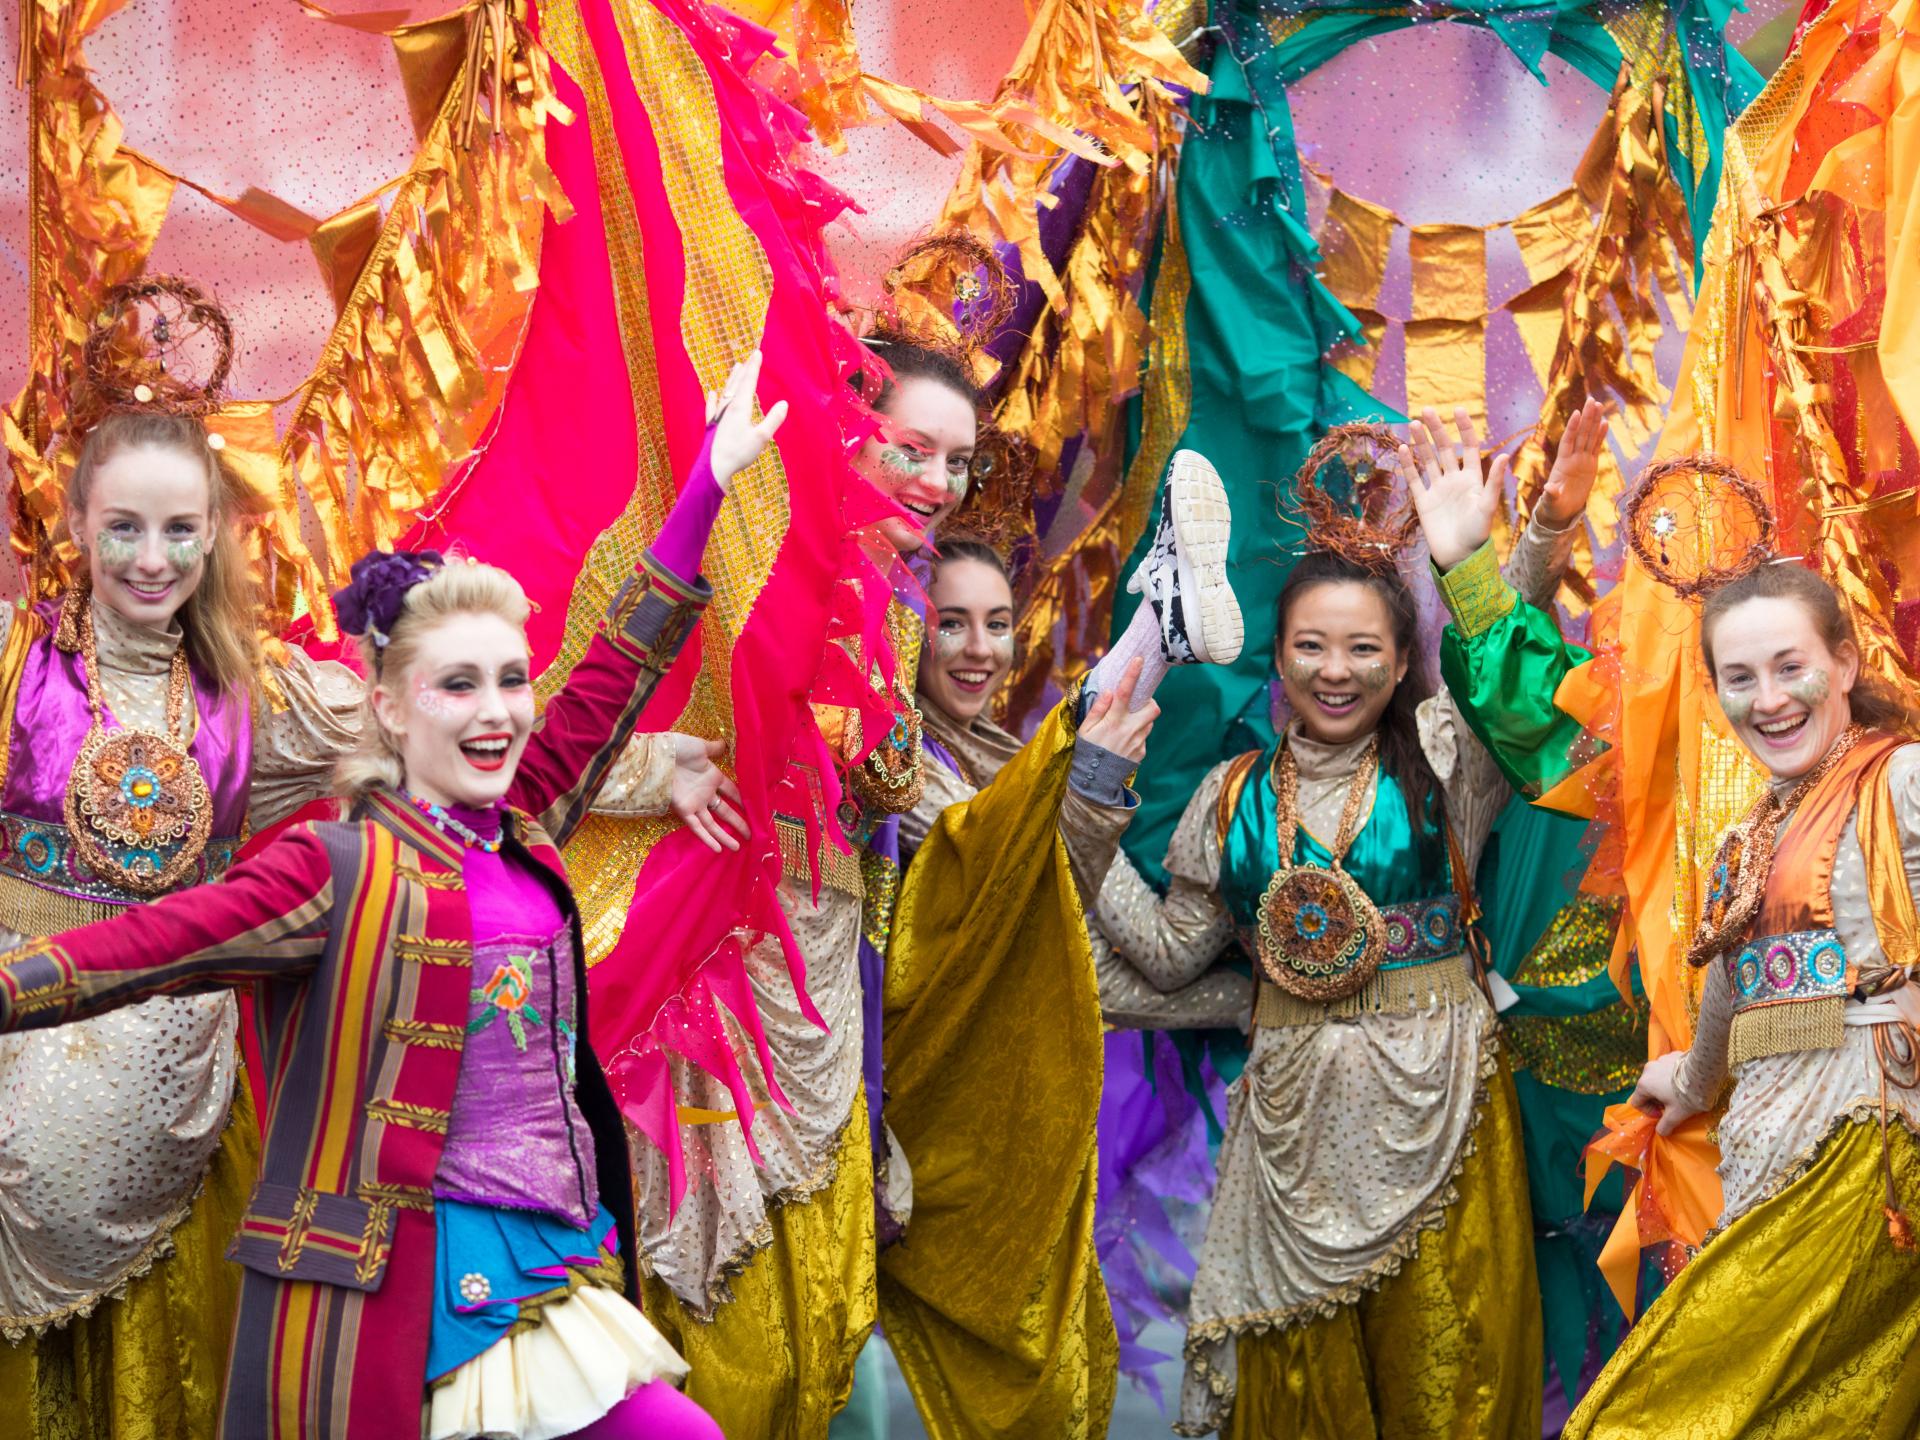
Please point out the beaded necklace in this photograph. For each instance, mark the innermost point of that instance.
(447, 824)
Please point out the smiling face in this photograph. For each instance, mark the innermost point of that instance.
(1783, 690)
(921, 457)
(970, 637)
(461, 714)
(1338, 660)
(146, 528)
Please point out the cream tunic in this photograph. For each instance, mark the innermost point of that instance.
(1784, 1106)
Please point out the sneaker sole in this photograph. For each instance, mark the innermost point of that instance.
(1203, 524)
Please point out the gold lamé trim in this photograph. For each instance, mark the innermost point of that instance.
(1594, 1054)
(1388, 992)
(427, 1034)
(423, 950)
(401, 1197)
(413, 1117)
(1405, 1247)
(448, 880)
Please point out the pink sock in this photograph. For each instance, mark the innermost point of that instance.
(1140, 639)
(654, 1412)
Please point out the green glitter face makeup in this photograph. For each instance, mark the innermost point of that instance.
(116, 551)
(1810, 689)
(1375, 677)
(185, 553)
(899, 462)
(1738, 707)
(1303, 673)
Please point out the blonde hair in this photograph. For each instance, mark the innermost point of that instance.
(219, 619)
(456, 588)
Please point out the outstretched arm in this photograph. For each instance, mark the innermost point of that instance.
(267, 919)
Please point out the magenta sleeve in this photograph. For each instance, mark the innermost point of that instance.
(682, 541)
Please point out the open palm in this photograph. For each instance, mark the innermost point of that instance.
(1454, 499)
(737, 439)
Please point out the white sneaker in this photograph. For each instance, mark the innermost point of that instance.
(1184, 575)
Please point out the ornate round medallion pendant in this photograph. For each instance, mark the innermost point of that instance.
(1320, 937)
(888, 779)
(138, 809)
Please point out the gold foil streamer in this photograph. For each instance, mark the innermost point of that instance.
(1355, 238)
(94, 210)
(1552, 235)
(1449, 272)
(419, 357)
(1447, 367)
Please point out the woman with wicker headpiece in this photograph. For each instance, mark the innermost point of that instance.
(1801, 1313)
(142, 735)
(1368, 1265)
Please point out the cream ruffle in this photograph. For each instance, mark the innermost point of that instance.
(587, 1353)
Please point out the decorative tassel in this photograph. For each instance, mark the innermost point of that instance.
(1894, 1048)
(1787, 1027)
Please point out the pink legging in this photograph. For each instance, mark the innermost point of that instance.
(655, 1411)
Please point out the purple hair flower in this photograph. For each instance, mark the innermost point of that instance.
(371, 603)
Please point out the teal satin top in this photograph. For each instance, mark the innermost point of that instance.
(1394, 862)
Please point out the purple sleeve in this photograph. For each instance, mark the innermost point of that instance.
(682, 541)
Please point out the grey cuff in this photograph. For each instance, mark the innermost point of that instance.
(1100, 775)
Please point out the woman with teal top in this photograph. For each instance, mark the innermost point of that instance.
(1368, 1266)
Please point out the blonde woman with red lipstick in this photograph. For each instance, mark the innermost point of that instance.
(1801, 1314)
(1368, 1266)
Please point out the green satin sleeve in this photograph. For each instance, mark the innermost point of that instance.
(1502, 660)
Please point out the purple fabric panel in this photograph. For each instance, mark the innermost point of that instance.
(873, 976)
(1071, 185)
(516, 1136)
(681, 545)
(50, 723)
(1153, 1149)
(656, 1411)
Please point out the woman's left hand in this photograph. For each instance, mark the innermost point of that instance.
(702, 795)
(737, 439)
(1112, 726)
(1575, 467)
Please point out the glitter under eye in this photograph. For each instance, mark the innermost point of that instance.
(116, 550)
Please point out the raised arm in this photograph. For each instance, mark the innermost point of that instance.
(585, 726)
(1502, 659)
(267, 919)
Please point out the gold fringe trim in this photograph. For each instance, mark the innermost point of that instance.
(29, 909)
(1389, 992)
(1406, 1247)
(1787, 1027)
(838, 870)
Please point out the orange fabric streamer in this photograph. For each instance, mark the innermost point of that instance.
(1676, 1197)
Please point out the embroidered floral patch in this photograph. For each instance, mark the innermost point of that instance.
(508, 992)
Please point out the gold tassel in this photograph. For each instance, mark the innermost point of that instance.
(1787, 1027)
